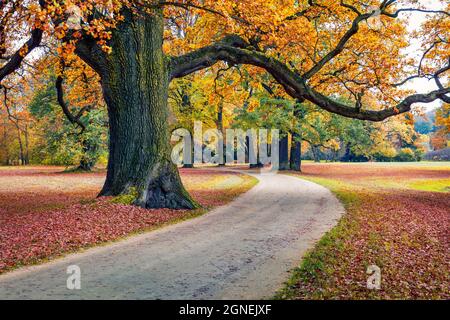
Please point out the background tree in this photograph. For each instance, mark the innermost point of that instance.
(66, 143)
(16, 115)
(440, 138)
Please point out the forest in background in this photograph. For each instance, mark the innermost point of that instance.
(52, 109)
(49, 121)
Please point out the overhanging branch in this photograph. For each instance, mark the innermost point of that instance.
(16, 59)
(333, 106)
(235, 50)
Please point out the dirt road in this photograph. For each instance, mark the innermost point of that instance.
(241, 251)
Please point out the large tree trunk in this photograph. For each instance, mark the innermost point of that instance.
(135, 85)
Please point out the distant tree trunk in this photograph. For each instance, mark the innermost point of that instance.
(220, 128)
(89, 158)
(347, 155)
(335, 155)
(316, 153)
(19, 138)
(190, 165)
(258, 163)
(186, 105)
(284, 153)
(247, 149)
(4, 144)
(27, 154)
(296, 152)
(85, 165)
(296, 137)
(256, 166)
(135, 83)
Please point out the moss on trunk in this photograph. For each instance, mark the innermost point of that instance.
(135, 83)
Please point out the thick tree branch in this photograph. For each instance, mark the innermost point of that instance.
(355, 28)
(16, 59)
(14, 119)
(91, 53)
(397, 13)
(235, 50)
(333, 106)
(60, 96)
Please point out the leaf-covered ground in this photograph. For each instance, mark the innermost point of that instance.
(45, 213)
(397, 218)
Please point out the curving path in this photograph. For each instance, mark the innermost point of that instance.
(240, 251)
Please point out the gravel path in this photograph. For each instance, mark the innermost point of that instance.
(241, 251)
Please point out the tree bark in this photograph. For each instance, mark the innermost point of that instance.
(135, 82)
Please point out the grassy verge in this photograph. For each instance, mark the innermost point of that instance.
(431, 185)
(402, 230)
(317, 265)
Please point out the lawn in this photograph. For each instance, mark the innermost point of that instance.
(397, 218)
(45, 213)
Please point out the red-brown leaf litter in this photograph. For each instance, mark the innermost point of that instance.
(403, 231)
(44, 212)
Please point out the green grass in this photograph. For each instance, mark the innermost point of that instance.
(316, 262)
(442, 185)
(342, 190)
